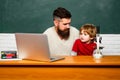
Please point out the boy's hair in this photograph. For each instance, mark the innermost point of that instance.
(90, 29)
(61, 13)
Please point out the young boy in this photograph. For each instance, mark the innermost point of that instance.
(85, 45)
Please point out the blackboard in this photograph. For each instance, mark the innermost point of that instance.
(36, 15)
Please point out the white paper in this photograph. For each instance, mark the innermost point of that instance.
(7, 42)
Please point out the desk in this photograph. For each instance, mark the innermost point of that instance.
(71, 68)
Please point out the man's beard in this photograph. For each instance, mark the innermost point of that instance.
(64, 34)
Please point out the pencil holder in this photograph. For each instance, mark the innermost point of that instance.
(97, 54)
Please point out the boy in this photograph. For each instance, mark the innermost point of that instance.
(85, 45)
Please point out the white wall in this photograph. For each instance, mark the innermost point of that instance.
(111, 43)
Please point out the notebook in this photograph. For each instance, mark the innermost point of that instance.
(34, 46)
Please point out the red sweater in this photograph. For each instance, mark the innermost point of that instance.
(82, 48)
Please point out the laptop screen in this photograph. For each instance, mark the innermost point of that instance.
(32, 46)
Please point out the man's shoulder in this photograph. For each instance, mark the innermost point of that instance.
(74, 28)
(50, 29)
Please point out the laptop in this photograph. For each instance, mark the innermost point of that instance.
(33, 46)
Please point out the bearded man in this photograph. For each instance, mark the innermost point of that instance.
(61, 36)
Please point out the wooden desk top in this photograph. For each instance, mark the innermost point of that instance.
(68, 61)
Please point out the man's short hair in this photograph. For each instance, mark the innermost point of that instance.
(61, 13)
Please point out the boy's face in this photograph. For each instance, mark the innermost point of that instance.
(84, 37)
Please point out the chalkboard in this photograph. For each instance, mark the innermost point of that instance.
(36, 15)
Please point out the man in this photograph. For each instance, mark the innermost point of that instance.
(61, 36)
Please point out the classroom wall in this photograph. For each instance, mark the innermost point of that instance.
(111, 44)
(36, 15)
